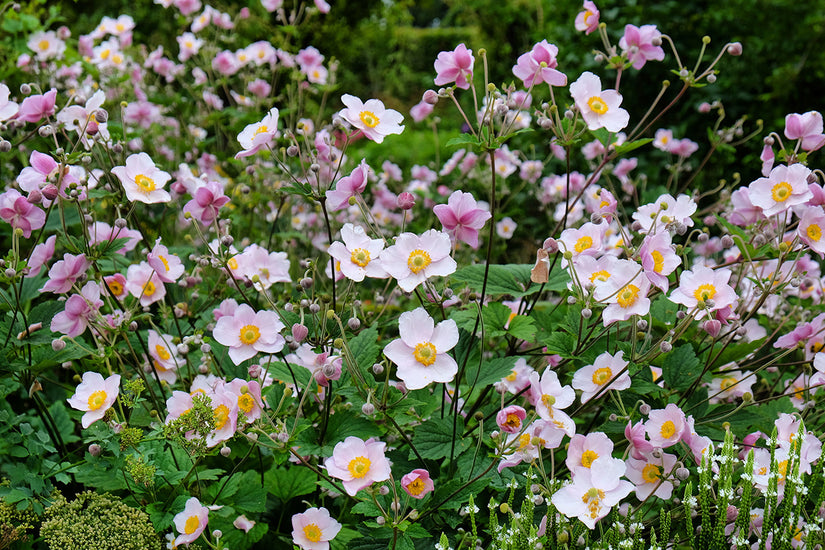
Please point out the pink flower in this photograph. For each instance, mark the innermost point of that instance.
(642, 44)
(413, 259)
(37, 107)
(142, 180)
(269, 267)
(462, 218)
(638, 446)
(744, 212)
(65, 272)
(79, 311)
(226, 63)
(810, 229)
(625, 292)
(518, 379)
(20, 213)
(143, 283)
(584, 450)
(455, 66)
(704, 290)
(608, 372)
(665, 427)
(7, 108)
(510, 419)
(101, 231)
(539, 66)
(786, 186)
(506, 227)
(659, 259)
(244, 524)
(587, 20)
(600, 109)
(41, 254)
(683, 147)
(323, 366)
(372, 118)
(358, 255)
(421, 351)
(164, 356)
(650, 475)
(206, 201)
(258, 135)
(246, 333)
(191, 522)
(550, 397)
(348, 186)
(358, 463)
(313, 529)
(421, 110)
(417, 483)
(594, 491)
(225, 411)
(95, 395)
(806, 127)
(168, 267)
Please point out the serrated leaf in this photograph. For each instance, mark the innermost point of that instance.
(253, 496)
(365, 349)
(491, 371)
(561, 343)
(288, 483)
(522, 327)
(433, 439)
(680, 367)
(512, 279)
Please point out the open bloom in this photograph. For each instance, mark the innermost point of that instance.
(258, 135)
(20, 213)
(65, 272)
(168, 267)
(462, 218)
(785, 186)
(358, 463)
(348, 186)
(95, 395)
(600, 109)
(594, 491)
(650, 475)
(665, 427)
(587, 20)
(206, 201)
(602, 375)
(638, 44)
(413, 259)
(417, 483)
(810, 229)
(455, 66)
(143, 283)
(80, 310)
(806, 127)
(358, 255)
(191, 522)
(421, 352)
(313, 529)
(246, 333)
(372, 118)
(539, 65)
(142, 180)
(705, 290)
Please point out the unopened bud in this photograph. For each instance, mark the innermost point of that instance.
(292, 151)
(430, 97)
(586, 313)
(644, 408)
(711, 78)
(735, 49)
(377, 368)
(406, 200)
(353, 323)
(225, 451)
(25, 89)
(94, 449)
(299, 332)
(368, 409)
(5, 146)
(665, 347)
(58, 344)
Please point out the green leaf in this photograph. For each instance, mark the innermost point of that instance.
(681, 367)
(561, 343)
(365, 349)
(252, 496)
(523, 328)
(512, 279)
(491, 371)
(288, 483)
(737, 352)
(465, 140)
(631, 145)
(433, 439)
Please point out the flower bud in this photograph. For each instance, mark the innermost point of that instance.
(35, 196)
(5, 146)
(377, 368)
(665, 347)
(254, 371)
(25, 89)
(644, 408)
(50, 191)
(225, 451)
(735, 49)
(353, 323)
(58, 344)
(299, 332)
(94, 449)
(406, 200)
(430, 97)
(368, 409)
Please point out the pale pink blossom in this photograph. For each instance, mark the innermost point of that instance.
(313, 529)
(41, 254)
(168, 267)
(635, 434)
(269, 267)
(417, 483)
(143, 283)
(421, 351)
(806, 127)
(37, 107)
(638, 44)
(206, 201)
(7, 108)
(600, 109)
(243, 523)
(258, 135)
(539, 66)
(455, 66)
(587, 20)
(102, 232)
(191, 522)
(608, 372)
(665, 427)
(80, 310)
(510, 419)
(358, 256)
(64, 273)
(142, 180)
(625, 292)
(785, 186)
(704, 290)
(358, 463)
(585, 449)
(348, 186)
(650, 475)
(413, 259)
(164, 356)
(246, 333)
(373, 119)
(659, 258)
(594, 491)
(462, 218)
(95, 396)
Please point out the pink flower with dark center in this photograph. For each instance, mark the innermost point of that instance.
(413, 259)
(79, 311)
(587, 21)
(455, 66)
(348, 186)
(600, 109)
(806, 127)
(638, 44)
(421, 351)
(417, 483)
(358, 463)
(65, 272)
(20, 213)
(373, 119)
(539, 66)
(206, 201)
(247, 333)
(37, 107)
(462, 218)
(313, 529)
(95, 396)
(191, 522)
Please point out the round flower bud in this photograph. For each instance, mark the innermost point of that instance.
(368, 409)
(25, 89)
(644, 408)
(353, 323)
(406, 200)
(58, 344)
(94, 449)
(225, 451)
(735, 48)
(5, 146)
(377, 368)
(430, 97)
(665, 347)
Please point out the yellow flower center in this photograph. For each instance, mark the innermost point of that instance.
(191, 525)
(360, 257)
(359, 467)
(588, 457)
(250, 334)
(727, 383)
(145, 184)
(548, 400)
(781, 191)
(96, 400)
(162, 352)
(115, 287)
(705, 292)
(597, 105)
(418, 260)
(814, 232)
(149, 288)
(43, 45)
(232, 263)
(587, 15)
(120, 27)
(628, 296)
(658, 261)
(668, 429)
(105, 54)
(583, 244)
(513, 421)
(262, 129)
(221, 414)
(246, 402)
(369, 119)
(416, 487)
(651, 473)
(523, 440)
(592, 498)
(312, 532)
(602, 375)
(425, 353)
(512, 376)
(117, 59)
(165, 262)
(600, 275)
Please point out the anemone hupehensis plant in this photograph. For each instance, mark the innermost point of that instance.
(224, 307)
